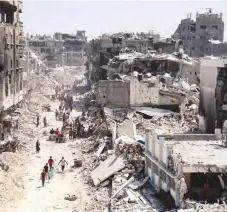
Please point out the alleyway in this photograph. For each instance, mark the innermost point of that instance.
(51, 197)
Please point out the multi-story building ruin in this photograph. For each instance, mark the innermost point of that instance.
(202, 36)
(73, 47)
(61, 49)
(11, 50)
(48, 49)
(100, 50)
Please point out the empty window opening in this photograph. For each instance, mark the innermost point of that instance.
(203, 26)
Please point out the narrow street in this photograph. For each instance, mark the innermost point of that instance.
(51, 197)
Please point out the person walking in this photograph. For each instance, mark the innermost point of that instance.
(46, 168)
(44, 121)
(43, 177)
(63, 162)
(51, 162)
(37, 146)
(37, 121)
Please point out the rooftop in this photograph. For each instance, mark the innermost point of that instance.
(200, 152)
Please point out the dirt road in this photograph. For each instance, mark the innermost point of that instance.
(51, 197)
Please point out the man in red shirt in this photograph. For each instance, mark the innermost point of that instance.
(57, 133)
(51, 162)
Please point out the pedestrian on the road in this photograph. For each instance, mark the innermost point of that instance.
(70, 133)
(37, 121)
(57, 133)
(74, 134)
(52, 172)
(37, 146)
(44, 121)
(56, 114)
(63, 162)
(46, 168)
(51, 162)
(43, 177)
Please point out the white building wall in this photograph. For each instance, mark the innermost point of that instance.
(142, 93)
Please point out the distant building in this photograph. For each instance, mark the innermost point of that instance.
(73, 47)
(202, 36)
(48, 49)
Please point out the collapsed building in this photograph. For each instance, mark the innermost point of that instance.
(100, 50)
(132, 84)
(136, 79)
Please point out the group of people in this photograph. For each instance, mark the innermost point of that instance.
(38, 120)
(48, 170)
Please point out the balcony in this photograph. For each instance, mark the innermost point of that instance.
(10, 4)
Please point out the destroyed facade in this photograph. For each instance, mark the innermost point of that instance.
(73, 47)
(48, 49)
(187, 166)
(61, 49)
(202, 36)
(213, 93)
(12, 50)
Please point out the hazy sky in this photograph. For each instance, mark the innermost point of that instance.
(97, 17)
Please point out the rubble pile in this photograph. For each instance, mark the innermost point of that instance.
(148, 65)
(10, 146)
(169, 124)
(66, 75)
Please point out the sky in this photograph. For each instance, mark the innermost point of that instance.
(98, 17)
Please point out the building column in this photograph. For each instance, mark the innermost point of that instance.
(148, 133)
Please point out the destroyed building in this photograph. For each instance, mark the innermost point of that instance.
(187, 167)
(12, 46)
(73, 47)
(202, 36)
(213, 93)
(100, 50)
(136, 79)
(48, 49)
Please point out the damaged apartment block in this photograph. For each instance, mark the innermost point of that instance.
(11, 32)
(187, 167)
(61, 49)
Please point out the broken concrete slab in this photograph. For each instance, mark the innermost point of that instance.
(107, 168)
(101, 148)
(139, 184)
(123, 186)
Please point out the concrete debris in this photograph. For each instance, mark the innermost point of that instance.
(123, 186)
(107, 168)
(139, 184)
